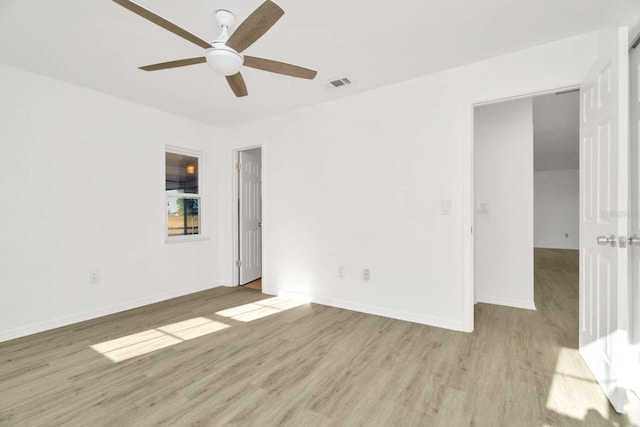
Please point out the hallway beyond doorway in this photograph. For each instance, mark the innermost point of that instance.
(256, 284)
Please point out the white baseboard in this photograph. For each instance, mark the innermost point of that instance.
(58, 322)
(456, 325)
(528, 305)
(555, 247)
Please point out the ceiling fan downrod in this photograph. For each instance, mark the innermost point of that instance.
(223, 59)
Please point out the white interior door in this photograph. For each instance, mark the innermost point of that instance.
(603, 217)
(250, 215)
(634, 218)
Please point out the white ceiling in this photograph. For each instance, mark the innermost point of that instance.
(99, 45)
(556, 131)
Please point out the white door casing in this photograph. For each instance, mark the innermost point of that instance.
(250, 215)
(634, 218)
(603, 212)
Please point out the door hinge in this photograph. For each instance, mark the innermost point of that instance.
(238, 263)
(238, 165)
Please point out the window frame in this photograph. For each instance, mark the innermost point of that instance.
(198, 196)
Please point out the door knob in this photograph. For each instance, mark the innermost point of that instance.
(633, 240)
(604, 240)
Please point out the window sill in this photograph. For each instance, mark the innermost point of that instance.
(185, 239)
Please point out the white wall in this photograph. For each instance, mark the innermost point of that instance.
(556, 211)
(503, 138)
(83, 180)
(358, 182)
(556, 131)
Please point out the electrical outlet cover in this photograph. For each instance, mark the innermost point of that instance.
(94, 277)
(341, 271)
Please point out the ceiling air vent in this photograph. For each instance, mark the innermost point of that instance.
(338, 82)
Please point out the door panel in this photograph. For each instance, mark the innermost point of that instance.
(603, 314)
(250, 212)
(587, 166)
(603, 204)
(604, 178)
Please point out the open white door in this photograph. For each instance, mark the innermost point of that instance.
(250, 215)
(634, 218)
(603, 215)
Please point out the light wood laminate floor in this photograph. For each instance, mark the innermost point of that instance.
(256, 284)
(268, 363)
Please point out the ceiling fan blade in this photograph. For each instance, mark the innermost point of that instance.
(237, 85)
(279, 67)
(174, 64)
(158, 20)
(255, 26)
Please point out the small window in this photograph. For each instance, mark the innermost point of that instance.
(182, 181)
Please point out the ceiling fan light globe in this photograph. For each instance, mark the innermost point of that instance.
(224, 60)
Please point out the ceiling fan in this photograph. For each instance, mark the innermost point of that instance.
(224, 53)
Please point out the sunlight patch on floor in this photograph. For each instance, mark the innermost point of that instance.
(571, 374)
(193, 328)
(145, 342)
(259, 309)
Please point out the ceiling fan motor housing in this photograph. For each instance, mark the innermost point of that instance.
(225, 18)
(223, 59)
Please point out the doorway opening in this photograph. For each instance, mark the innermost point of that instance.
(526, 238)
(248, 218)
(556, 224)
(526, 184)
(603, 316)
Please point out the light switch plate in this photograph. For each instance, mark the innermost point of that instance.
(482, 208)
(445, 207)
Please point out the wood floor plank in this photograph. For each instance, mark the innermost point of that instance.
(309, 365)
